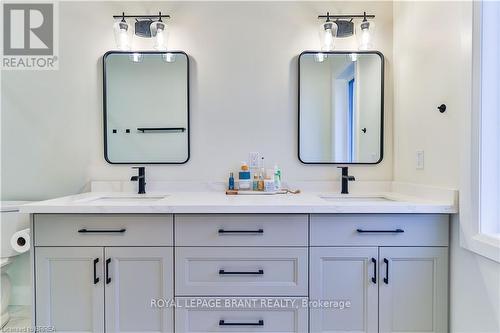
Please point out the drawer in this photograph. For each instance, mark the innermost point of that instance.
(379, 230)
(241, 315)
(103, 230)
(234, 271)
(241, 230)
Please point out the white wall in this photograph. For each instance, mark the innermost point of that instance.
(432, 48)
(243, 94)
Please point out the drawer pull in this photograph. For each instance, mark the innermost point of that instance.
(86, 231)
(224, 232)
(108, 279)
(223, 323)
(386, 279)
(380, 231)
(259, 272)
(96, 279)
(374, 278)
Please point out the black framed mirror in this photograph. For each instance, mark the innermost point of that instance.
(341, 107)
(146, 107)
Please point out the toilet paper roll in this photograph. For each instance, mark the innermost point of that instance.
(20, 241)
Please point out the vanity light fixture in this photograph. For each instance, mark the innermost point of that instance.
(146, 26)
(343, 26)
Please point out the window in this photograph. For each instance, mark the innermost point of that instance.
(480, 189)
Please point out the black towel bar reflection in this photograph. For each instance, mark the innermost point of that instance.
(161, 129)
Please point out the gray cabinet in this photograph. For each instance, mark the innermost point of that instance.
(389, 289)
(68, 297)
(414, 296)
(100, 273)
(410, 290)
(136, 276)
(116, 298)
(346, 278)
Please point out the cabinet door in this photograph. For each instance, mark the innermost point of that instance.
(70, 288)
(345, 274)
(413, 289)
(136, 276)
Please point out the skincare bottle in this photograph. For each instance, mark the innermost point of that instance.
(260, 186)
(244, 181)
(231, 181)
(255, 184)
(269, 184)
(277, 177)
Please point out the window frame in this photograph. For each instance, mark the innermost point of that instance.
(471, 237)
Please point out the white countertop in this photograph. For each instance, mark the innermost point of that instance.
(403, 201)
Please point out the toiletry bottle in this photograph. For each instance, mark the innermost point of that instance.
(277, 177)
(231, 181)
(269, 182)
(260, 186)
(244, 182)
(255, 185)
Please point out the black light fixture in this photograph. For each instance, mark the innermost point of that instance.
(145, 26)
(345, 24)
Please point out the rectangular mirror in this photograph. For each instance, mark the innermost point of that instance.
(341, 107)
(146, 107)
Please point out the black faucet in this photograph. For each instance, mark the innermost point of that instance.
(141, 178)
(345, 180)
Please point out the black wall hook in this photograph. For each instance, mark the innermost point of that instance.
(442, 108)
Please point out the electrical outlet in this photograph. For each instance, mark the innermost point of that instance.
(419, 159)
(253, 160)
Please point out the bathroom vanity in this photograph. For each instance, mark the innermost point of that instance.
(101, 267)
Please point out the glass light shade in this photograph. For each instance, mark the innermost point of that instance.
(122, 38)
(364, 35)
(169, 57)
(160, 34)
(136, 57)
(327, 34)
(320, 57)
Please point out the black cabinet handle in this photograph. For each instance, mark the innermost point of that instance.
(108, 279)
(259, 272)
(374, 278)
(161, 129)
(223, 323)
(86, 231)
(258, 231)
(386, 279)
(96, 279)
(380, 231)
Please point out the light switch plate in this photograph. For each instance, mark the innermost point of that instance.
(419, 159)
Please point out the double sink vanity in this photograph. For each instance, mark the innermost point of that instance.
(115, 262)
(202, 261)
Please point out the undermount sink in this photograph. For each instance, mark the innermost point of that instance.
(126, 199)
(355, 198)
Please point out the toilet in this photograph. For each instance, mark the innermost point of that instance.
(11, 221)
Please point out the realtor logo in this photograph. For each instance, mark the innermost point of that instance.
(29, 39)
